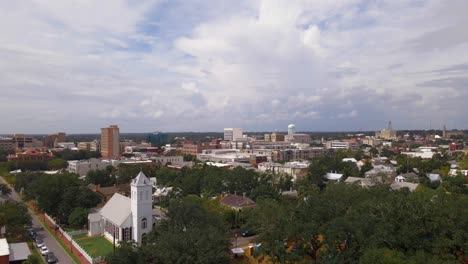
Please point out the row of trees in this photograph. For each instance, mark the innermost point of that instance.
(35, 165)
(210, 181)
(62, 196)
(350, 224)
(81, 154)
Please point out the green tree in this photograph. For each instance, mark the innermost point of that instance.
(33, 259)
(126, 253)
(57, 164)
(78, 217)
(382, 256)
(4, 189)
(13, 217)
(191, 234)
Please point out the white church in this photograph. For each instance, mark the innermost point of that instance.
(124, 218)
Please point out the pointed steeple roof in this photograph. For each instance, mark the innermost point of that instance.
(140, 180)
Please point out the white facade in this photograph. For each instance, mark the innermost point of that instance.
(422, 154)
(342, 145)
(142, 206)
(66, 145)
(82, 167)
(232, 134)
(224, 155)
(296, 169)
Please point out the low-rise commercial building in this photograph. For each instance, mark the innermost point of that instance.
(82, 167)
(296, 154)
(89, 146)
(298, 138)
(342, 145)
(296, 169)
(225, 155)
(32, 154)
(163, 160)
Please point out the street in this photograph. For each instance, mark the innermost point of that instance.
(44, 234)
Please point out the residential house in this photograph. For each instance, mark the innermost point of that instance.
(237, 202)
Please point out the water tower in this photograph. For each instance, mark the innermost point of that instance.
(291, 129)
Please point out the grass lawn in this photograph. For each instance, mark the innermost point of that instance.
(94, 246)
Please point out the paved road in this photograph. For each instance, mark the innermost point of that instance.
(48, 239)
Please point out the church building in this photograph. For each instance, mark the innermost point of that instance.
(124, 218)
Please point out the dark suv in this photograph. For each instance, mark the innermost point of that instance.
(51, 258)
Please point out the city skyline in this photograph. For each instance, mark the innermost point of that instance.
(176, 66)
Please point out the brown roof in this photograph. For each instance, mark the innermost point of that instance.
(108, 190)
(410, 175)
(237, 201)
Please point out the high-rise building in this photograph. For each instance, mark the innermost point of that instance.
(157, 139)
(232, 134)
(110, 142)
(51, 140)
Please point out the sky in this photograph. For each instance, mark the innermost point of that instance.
(197, 65)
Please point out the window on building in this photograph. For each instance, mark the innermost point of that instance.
(141, 195)
(144, 223)
(127, 234)
(147, 195)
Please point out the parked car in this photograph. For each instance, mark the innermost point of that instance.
(247, 233)
(39, 243)
(51, 258)
(44, 250)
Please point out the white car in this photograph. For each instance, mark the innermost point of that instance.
(40, 245)
(44, 250)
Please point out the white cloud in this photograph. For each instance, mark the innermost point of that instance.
(259, 64)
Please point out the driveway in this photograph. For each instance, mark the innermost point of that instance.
(44, 234)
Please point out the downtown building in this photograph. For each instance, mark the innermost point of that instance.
(110, 142)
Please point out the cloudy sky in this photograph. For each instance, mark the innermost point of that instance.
(197, 65)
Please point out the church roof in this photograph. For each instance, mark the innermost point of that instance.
(117, 209)
(141, 179)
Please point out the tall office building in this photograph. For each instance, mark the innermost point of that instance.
(232, 134)
(110, 142)
(51, 140)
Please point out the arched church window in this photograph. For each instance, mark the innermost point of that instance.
(144, 223)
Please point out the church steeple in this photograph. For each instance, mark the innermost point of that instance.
(142, 206)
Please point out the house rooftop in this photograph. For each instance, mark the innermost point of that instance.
(19, 251)
(4, 250)
(237, 201)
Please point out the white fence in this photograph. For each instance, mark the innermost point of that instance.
(69, 237)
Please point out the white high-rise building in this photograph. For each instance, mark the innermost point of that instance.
(232, 134)
(291, 129)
